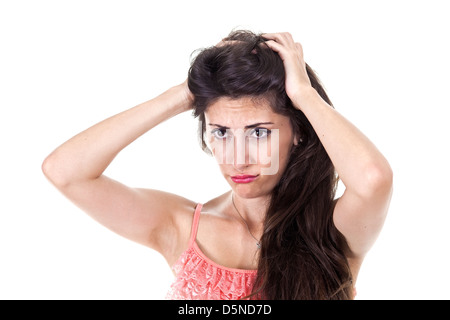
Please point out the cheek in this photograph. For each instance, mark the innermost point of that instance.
(215, 146)
(285, 150)
(273, 156)
(222, 150)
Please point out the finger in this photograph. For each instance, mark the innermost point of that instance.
(272, 36)
(299, 48)
(283, 37)
(277, 47)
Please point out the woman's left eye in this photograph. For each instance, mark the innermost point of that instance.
(259, 133)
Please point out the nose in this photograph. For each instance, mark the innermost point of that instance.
(240, 155)
(244, 154)
(236, 150)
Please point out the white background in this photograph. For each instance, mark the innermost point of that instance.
(66, 65)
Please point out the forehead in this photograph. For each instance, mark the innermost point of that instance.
(229, 112)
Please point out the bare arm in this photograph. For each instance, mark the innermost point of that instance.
(76, 169)
(360, 212)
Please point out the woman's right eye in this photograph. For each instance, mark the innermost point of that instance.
(219, 133)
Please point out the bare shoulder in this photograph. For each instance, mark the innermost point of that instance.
(212, 214)
(171, 239)
(215, 206)
(184, 211)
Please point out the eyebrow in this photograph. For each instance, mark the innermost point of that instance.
(246, 127)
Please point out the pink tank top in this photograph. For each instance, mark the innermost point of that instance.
(199, 278)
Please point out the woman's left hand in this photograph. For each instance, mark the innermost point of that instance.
(297, 80)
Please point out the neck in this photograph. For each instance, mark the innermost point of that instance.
(253, 210)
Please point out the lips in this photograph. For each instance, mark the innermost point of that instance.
(243, 178)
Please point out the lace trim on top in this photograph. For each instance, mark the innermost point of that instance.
(199, 278)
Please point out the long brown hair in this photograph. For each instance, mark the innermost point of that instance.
(302, 252)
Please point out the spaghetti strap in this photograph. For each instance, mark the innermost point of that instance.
(198, 277)
(194, 228)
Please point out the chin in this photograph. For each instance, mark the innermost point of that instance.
(252, 189)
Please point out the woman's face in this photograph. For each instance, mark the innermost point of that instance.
(250, 142)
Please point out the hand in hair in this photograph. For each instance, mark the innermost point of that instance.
(297, 80)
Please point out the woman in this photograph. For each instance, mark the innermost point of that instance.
(279, 233)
